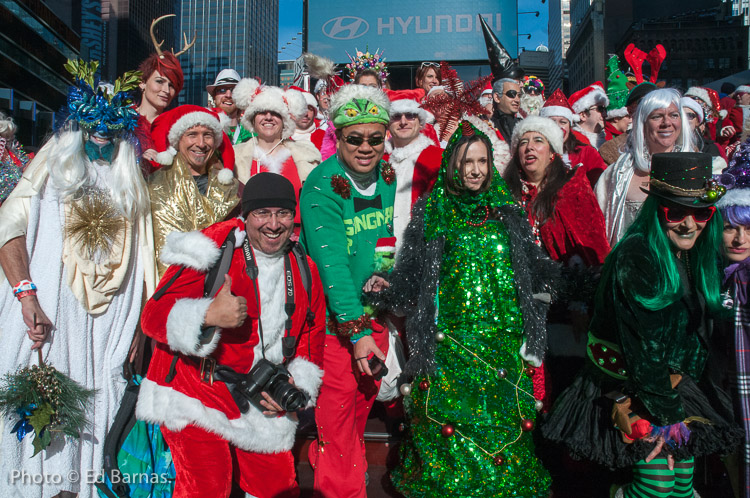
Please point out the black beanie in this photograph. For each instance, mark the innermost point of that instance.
(268, 190)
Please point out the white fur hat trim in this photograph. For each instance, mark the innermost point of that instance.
(191, 120)
(545, 126)
(742, 89)
(559, 111)
(273, 99)
(735, 197)
(595, 96)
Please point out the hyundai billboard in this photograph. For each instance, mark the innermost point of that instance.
(409, 30)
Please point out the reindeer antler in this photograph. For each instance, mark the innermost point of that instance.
(635, 58)
(655, 58)
(187, 45)
(157, 44)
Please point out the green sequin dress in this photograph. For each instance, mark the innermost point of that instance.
(488, 453)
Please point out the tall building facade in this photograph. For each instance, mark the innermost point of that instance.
(558, 28)
(34, 45)
(241, 34)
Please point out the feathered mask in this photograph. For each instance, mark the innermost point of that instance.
(97, 108)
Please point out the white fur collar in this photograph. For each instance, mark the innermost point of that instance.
(413, 149)
(193, 249)
(275, 162)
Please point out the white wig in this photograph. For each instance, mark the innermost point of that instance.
(657, 99)
(70, 170)
(7, 127)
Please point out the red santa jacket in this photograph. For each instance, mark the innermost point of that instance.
(175, 320)
(587, 158)
(577, 224)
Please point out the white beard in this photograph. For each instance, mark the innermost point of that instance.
(531, 104)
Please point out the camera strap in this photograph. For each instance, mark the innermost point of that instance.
(288, 342)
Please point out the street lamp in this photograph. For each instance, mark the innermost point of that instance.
(535, 12)
(527, 35)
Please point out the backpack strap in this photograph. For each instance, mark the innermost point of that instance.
(306, 275)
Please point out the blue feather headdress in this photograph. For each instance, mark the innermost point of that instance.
(97, 108)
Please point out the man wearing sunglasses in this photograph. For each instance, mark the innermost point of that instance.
(414, 157)
(221, 93)
(590, 104)
(506, 93)
(347, 207)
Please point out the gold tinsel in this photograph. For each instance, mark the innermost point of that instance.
(94, 224)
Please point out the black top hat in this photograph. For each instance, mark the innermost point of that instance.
(501, 63)
(684, 178)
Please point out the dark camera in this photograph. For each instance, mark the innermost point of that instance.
(377, 367)
(273, 379)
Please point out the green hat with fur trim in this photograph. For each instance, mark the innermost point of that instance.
(359, 104)
(617, 89)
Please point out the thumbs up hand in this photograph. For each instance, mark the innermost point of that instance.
(226, 310)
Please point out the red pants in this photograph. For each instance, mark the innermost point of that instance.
(345, 400)
(205, 464)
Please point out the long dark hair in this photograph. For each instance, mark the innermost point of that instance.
(572, 143)
(544, 204)
(453, 173)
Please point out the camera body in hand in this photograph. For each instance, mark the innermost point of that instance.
(273, 379)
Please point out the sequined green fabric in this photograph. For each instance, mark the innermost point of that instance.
(479, 314)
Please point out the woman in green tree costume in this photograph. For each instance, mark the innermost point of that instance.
(473, 285)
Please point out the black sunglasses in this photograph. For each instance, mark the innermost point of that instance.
(511, 94)
(532, 90)
(410, 116)
(357, 141)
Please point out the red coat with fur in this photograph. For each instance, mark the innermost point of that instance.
(175, 320)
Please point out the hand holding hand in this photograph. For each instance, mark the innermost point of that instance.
(226, 310)
(375, 284)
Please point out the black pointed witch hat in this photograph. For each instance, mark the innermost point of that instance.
(501, 63)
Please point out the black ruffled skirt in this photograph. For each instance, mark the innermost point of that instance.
(581, 420)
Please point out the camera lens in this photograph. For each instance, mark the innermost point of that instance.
(287, 396)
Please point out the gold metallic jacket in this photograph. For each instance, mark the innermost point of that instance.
(177, 205)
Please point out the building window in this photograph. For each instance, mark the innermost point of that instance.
(723, 62)
(710, 63)
(692, 64)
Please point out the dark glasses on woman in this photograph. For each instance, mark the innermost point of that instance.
(675, 214)
(357, 141)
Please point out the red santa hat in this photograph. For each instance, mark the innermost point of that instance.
(742, 89)
(487, 90)
(168, 128)
(557, 105)
(404, 106)
(309, 97)
(254, 98)
(592, 95)
(709, 98)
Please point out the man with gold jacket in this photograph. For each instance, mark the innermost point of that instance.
(196, 187)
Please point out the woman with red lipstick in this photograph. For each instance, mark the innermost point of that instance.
(558, 199)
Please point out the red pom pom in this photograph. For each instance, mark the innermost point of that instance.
(447, 430)
(639, 429)
(530, 371)
(527, 425)
(499, 460)
(424, 385)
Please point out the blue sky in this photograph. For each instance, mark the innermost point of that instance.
(290, 23)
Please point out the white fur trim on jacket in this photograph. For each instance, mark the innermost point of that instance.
(167, 157)
(403, 106)
(252, 431)
(415, 147)
(596, 96)
(545, 126)
(306, 157)
(192, 119)
(735, 197)
(535, 361)
(307, 377)
(349, 92)
(559, 111)
(184, 324)
(500, 150)
(190, 249)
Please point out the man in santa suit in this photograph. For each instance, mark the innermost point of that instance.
(590, 104)
(414, 157)
(308, 126)
(193, 386)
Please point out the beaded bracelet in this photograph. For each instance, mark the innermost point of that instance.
(25, 293)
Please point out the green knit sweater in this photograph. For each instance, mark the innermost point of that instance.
(340, 234)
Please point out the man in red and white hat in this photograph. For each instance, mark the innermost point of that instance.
(309, 126)
(728, 135)
(590, 104)
(414, 157)
(270, 113)
(195, 187)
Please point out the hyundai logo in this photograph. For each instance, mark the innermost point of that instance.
(345, 28)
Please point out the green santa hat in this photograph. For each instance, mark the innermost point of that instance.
(617, 89)
(357, 104)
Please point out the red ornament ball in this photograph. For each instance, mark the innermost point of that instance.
(527, 425)
(530, 371)
(424, 385)
(447, 430)
(499, 460)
